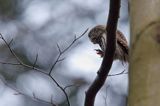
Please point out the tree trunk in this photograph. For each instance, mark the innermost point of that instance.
(144, 71)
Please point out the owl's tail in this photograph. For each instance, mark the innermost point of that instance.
(124, 53)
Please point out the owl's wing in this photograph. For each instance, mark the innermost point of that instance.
(121, 40)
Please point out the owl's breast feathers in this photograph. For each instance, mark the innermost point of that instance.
(98, 35)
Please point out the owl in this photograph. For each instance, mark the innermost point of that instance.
(97, 35)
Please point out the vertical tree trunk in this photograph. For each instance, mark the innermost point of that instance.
(144, 73)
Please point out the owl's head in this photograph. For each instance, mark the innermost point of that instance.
(96, 33)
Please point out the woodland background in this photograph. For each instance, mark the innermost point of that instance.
(36, 26)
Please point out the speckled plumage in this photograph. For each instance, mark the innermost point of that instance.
(97, 35)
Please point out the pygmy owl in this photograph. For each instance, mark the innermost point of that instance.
(97, 35)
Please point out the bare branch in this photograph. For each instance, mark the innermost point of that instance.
(105, 96)
(65, 93)
(10, 42)
(109, 53)
(58, 48)
(51, 99)
(120, 73)
(62, 52)
(68, 86)
(16, 57)
(61, 59)
(13, 53)
(9, 63)
(21, 93)
(57, 60)
(75, 39)
(32, 67)
(35, 61)
(39, 70)
(47, 102)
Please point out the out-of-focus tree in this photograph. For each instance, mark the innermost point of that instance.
(9, 9)
(145, 53)
(36, 27)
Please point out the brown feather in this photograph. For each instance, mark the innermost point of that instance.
(97, 36)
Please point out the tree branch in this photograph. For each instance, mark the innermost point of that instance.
(21, 63)
(109, 53)
(62, 52)
(120, 73)
(34, 97)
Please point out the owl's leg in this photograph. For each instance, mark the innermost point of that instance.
(99, 52)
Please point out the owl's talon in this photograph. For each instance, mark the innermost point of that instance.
(97, 35)
(99, 52)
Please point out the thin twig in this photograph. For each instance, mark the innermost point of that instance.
(75, 39)
(57, 60)
(31, 67)
(10, 63)
(17, 58)
(120, 73)
(10, 42)
(61, 59)
(68, 86)
(39, 70)
(47, 102)
(17, 92)
(105, 96)
(62, 52)
(35, 61)
(65, 93)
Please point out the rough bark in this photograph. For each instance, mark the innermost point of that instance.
(144, 71)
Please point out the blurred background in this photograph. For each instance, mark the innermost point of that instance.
(36, 26)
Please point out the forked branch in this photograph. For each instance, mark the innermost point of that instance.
(19, 62)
